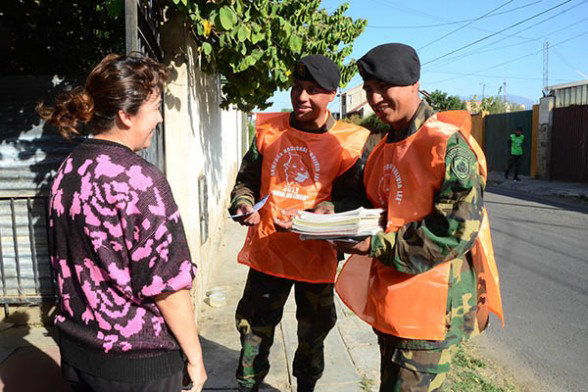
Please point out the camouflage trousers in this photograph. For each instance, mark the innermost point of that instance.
(259, 312)
(408, 370)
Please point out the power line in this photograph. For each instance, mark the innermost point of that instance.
(421, 13)
(476, 52)
(496, 76)
(476, 73)
(404, 9)
(566, 62)
(436, 17)
(498, 32)
(466, 25)
(479, 51)
(451, 23)
(568, 39)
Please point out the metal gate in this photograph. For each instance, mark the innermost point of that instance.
(24, 254)
(569, 144)
(29, 156)
(497, 128)
(142, 21)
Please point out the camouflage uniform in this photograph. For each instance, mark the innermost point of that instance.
(260, 310)
(261, 307)
(446, 234)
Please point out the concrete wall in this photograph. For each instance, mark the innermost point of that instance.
(534, 131)
(203, 147)
(546, 105)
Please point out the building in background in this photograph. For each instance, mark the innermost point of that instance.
(354, 102)
(569, 94)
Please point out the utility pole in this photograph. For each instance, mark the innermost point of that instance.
(545, 66)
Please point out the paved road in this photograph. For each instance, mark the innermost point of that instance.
(542, 251)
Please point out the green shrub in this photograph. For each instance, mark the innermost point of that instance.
(374, 124)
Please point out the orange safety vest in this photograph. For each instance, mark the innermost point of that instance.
(403, 178)
(298, 171)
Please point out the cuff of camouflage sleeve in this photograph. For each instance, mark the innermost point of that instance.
(382, 246)
(240, 201)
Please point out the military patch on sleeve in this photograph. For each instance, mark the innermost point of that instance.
(461, 162)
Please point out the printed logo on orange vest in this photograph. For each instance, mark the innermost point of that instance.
(389, 174)
(291, 166)
(294, 169)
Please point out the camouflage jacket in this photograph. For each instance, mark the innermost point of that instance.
(247, 185)
(447, 234)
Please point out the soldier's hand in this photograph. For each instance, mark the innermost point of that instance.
(358, 248)
(324, 209)
(284, 223)
(383, 221)
(249, 217)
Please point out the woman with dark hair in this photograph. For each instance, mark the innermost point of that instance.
(123, 267)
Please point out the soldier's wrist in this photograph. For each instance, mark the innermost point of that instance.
(240, 202)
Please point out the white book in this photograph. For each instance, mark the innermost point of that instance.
(343, 225)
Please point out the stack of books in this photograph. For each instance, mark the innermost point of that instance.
(349, 225)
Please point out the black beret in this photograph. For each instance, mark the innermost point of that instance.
(396, 64)
(319, 69)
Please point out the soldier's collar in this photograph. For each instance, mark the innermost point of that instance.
(325, 128)
(420, 116)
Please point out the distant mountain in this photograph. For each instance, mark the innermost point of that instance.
(519, 100)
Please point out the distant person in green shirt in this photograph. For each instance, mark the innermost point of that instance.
(515, 152)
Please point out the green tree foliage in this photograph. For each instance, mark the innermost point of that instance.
(255, 44)
(516, 107)
(493, 105)
(61, 37)
(374, 124)
(490, 105)
(440, 101)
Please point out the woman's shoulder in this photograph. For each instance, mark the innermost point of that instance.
(113, 166)
(109, 159)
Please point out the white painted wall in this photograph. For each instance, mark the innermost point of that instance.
(201, 140)
(355, 98)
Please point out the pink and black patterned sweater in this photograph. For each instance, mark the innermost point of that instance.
(117, 241)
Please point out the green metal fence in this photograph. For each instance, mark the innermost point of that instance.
(497, 129)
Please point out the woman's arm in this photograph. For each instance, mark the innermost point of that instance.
(178, 313)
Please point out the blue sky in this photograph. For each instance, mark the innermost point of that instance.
(511, 35)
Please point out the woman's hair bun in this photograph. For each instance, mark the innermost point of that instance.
(71, 109)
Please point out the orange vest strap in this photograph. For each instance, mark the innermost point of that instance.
(385, 298)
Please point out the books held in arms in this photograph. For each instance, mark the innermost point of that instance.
(350, 225)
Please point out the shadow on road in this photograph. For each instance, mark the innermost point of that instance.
(222, 375)
(28, 368)
(554, 204)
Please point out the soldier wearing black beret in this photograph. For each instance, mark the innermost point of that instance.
(429, 279)
(300, 160)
